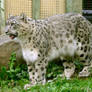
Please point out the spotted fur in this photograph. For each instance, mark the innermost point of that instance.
(67, 36)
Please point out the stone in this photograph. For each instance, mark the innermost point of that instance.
(7, 47)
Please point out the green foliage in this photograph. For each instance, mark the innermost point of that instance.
(54, 69)
(63, 85)
(3, 73)
(78, 65)
(15, 72)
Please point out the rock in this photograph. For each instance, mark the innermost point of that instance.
(7, 46)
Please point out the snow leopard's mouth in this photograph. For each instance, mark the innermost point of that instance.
(12, 36)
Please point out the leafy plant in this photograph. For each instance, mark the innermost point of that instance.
(78, 65)
(3, 73)
(15, 72)
(54, 69)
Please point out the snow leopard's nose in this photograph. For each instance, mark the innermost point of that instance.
(6, 32)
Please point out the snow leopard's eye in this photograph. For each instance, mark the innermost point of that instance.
(12, 24)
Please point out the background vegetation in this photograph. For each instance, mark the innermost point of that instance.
(14, 79)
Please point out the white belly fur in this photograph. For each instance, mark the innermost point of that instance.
(66, 50)
(30, 56)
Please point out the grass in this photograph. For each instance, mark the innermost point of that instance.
(58, 85)
(14, 79)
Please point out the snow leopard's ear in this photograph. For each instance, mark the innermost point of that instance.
(10, 15)
(23, 17)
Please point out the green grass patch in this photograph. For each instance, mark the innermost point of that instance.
(58, 85)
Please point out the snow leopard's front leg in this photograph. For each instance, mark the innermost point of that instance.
(37, 72)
